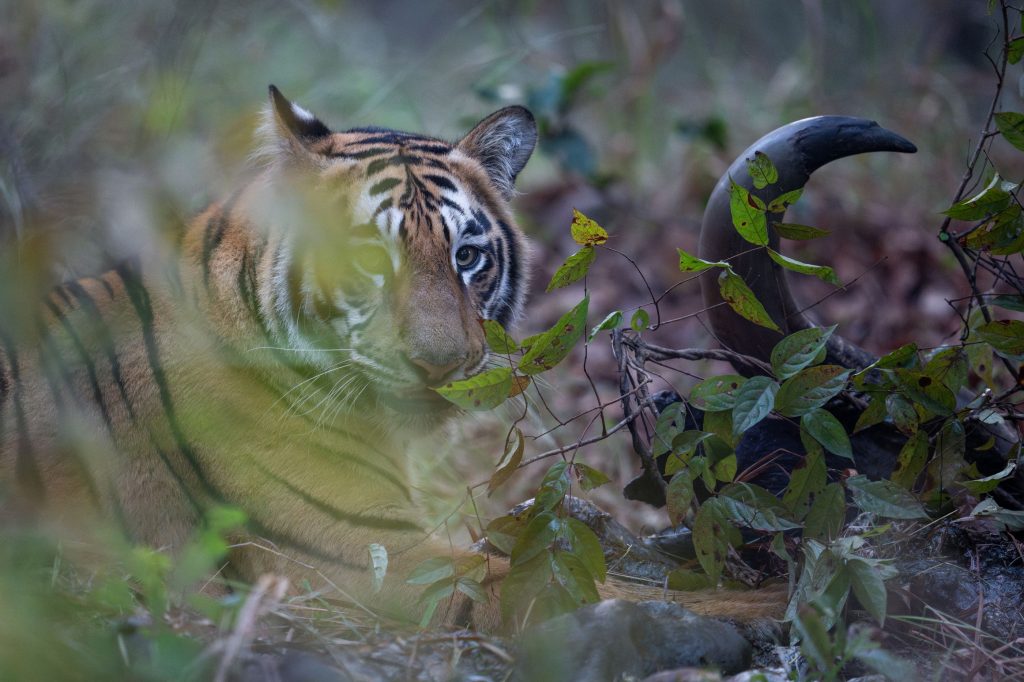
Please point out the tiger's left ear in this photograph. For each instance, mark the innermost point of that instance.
(502, 142)
(289, 130)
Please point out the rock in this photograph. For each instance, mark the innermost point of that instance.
(616, 638)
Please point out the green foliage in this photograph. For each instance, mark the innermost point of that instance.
(556, 559)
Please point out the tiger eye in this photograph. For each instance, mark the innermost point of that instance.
(467, 256)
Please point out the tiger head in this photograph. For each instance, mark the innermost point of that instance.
(390, 249)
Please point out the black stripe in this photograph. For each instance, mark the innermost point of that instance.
(140, 300)
(383, 206)
(452, 205)
(213, 233)
(106, 341)
(90, 368)
(512, 263)
(442, 182)
(350, 518)
(384, 185)
(440, 149)
(25, 471)
(282, 540)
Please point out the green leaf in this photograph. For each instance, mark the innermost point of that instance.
(911, 460)
(827, 430)
(553, 488)
(585, 231)
(990, 200)
(748, 215)
(1013, 302)
(551, 347)
(987, 484)
(822, 272)
(589, 477)
(799, 232)
(948, 462)
(868, 587)
(612, 321)
(925, 391)
(640, 321)
(949, 365)
(740, 298)
(670, 422)
(690, 263)
(1014, 51)
(781, 202)
(904, 357)
(810, 388)
(804, 484)
(504, 531)
(537, 537)
(498, 339)
(587, 548)
(524, 584)
(884, 498)
(431, 571)
(1011, 520)
(515, 444)
(825, 518)
(874, 414)
(472, 589)
(571, 574)
(1005, 336)
(713, 535)
(679, 495)
(480, 392)
(762, 170)
(754, 401)
(720, 424)
(378, 565)
(902, 413)
(1011, 123)
(573, 269)
(798, 350)
(717, 393)
(754, 507)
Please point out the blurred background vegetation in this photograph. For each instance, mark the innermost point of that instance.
(120, 120)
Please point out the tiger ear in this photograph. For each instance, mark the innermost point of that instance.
(502, 142)
(288, 130)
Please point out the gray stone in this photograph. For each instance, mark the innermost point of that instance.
(616, 639)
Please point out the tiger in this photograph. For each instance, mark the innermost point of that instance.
(282, 360)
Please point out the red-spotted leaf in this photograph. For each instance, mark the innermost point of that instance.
(585, 231)
(481, 392)
(748, 215)
(762, 170)
(551, 347)
(573, 269)
(779, 203)
(740, 298)
(717, 393)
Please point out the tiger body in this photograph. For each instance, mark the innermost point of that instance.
(282, 361)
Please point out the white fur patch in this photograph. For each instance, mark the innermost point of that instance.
(304, 114)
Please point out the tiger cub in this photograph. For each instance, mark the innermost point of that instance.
(284, 359)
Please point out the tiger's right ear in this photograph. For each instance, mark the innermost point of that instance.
(289, 131)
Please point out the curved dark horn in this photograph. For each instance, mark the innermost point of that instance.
(796, 150)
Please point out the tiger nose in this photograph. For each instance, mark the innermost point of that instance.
(434, 375)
